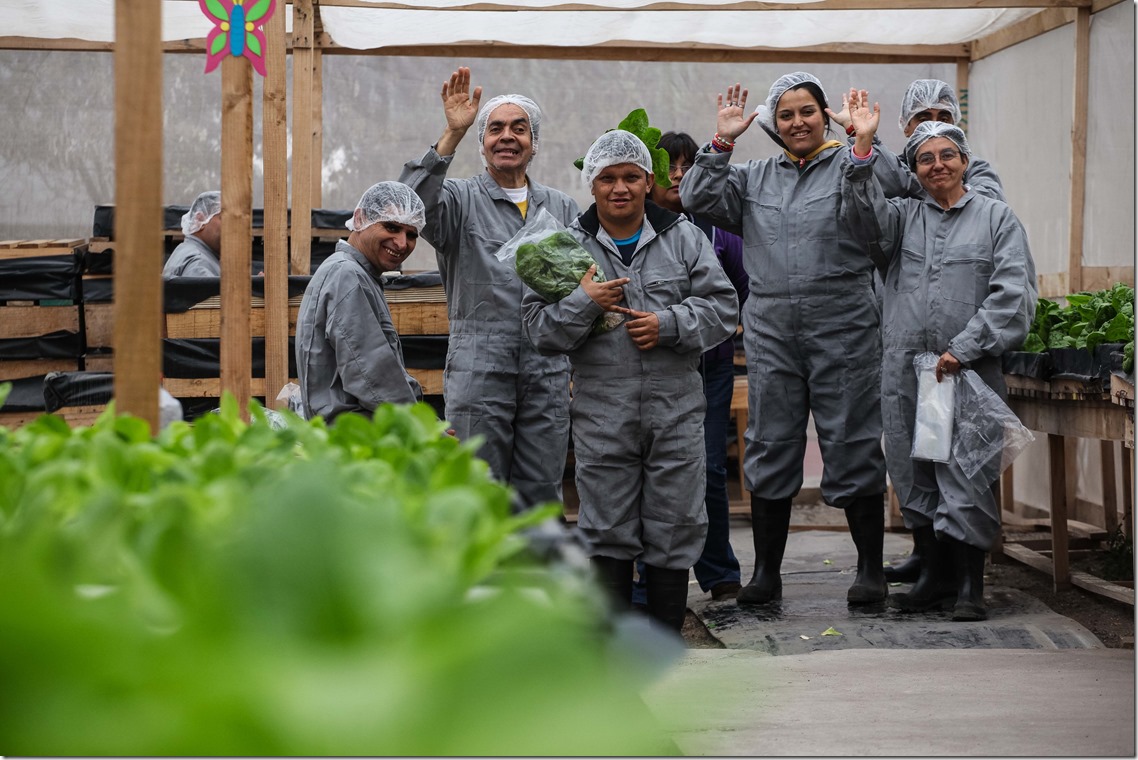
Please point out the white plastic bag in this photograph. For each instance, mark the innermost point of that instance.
(169, 409)
(291, 393)
(932, 432)
(989, 436)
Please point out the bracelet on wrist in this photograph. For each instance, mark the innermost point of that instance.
(850, 130)
(722, 145)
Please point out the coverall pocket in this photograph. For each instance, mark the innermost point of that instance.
(663, 292)
(910, 269)
(766, 213)
(966, 277)
(822, 217)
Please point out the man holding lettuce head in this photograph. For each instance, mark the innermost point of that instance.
(496, 385)
(638, 403)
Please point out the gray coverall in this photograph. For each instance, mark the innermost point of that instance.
(348, 357)
(810, 324)
(495, 383)
(638, 415)
(192, 258)
(959, 280)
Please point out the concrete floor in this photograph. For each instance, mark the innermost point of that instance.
(1026, 682)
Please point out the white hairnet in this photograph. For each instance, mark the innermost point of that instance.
(521, 101)
(926, 131)
(612, 148)
(779, 88)
(389, 202)
(205, 207)
(928, 93)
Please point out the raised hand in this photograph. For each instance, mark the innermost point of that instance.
(606, 294)
(459, 106)
(731, 120)
(849, 101)
(863, 118)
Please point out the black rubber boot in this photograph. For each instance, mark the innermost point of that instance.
(770, 522)
(667, 596)
(866, 518)
(934, 588)
(969, 562)
(906, 572)
(615, 577)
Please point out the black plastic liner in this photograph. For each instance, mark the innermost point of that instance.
(1082, 365)
(97, 291)
(102, 262)
(62, 344)
(62, 389)
(424, 351)
(322, 218)
(1028, 364)
(201, 357)
(417, 280)
(39, 278)
(184, 292)
(26, 395)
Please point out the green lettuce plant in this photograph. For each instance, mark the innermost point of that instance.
(637, 123)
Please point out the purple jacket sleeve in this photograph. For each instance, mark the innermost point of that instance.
(729, 248)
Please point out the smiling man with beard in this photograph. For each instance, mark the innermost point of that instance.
(495, 384)
(348, 357)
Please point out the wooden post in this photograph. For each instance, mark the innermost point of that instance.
(962, 69)
(138, 208)
(1079, 147)
(1109, 487)
(317, 128)
(274, 125)
(1128, 491)
(302, 78)
(236, 228)
(1059, 546)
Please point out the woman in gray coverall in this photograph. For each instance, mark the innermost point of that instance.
(810, 323)
(960, 282)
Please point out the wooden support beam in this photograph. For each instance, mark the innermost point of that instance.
(962, 70)
(1030, 27)
(236, 227)
(138, 208)
(658, 52)
(303, 73)
(1079, 148)
(1059, 558)
(274, 127)
(1109, 487)
(317, 128)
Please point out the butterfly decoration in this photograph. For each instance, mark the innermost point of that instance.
(237, 30)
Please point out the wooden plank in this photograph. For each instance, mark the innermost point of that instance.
(1053, 285)
(99, 363)
(99, 320)
(13, 420)
(1100, 420)
(1021, 31)
(206, 323)
(1059, 559)
(236, 225)
(1102, 278)
(33, 321)
(34, 253)
(430, 379)
(317, 122)
(16, 369)
(280, 321)
(1079, 148)
(80, 416)
(210, 387)
(1128, 491)
(138, 207)
(627, 50)
(302, 109)
(962, 70)
(1103, 587)
(1109, 486)
(412, 318)
(1028, 557)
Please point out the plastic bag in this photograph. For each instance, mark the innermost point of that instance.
(932, 431)
(988, 435)
(169, 409)
(551, 262)
(291, 393)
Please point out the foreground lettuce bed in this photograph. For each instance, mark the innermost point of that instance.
(231, 588)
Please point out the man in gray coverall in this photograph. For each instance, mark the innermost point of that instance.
(638, 403)
(959, 282)
(199, 254)
(495, 384)
(348, 357)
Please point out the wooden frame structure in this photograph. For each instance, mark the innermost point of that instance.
(138, 90)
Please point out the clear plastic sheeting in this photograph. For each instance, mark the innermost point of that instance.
(988, 435)
(367, 28)
(932, 432)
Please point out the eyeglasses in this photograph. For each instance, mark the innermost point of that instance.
(946, 155)
(678, 168)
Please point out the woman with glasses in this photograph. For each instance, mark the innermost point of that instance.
(810, 324)
(960, 282)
